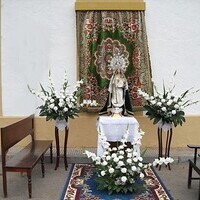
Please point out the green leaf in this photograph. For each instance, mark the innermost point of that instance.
(156, 120)
(43, 90)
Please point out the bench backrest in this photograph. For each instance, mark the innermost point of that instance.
(12, 134)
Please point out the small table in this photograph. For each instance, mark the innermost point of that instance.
(115, 128)
(58, 147)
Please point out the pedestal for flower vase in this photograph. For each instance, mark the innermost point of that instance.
(61, 125)
(164, 149)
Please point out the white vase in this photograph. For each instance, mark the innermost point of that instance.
(61, 124)
(166, 126)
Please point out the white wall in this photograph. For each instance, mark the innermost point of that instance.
(38, 35)
(173, 28)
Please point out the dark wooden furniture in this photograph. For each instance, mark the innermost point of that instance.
(167, 146)
(26, 159)
(193, 166)
(195, 147)
(58, 147)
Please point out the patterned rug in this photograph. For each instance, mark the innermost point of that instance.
(80, 185)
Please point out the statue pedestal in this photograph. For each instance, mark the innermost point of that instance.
(114, 128)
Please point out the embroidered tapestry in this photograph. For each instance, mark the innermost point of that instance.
(103, 36)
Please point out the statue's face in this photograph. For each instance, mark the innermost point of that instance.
(119, 71)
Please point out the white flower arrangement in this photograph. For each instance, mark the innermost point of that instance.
(89, 102)
(162, 161)
(120, 167)
(58, 105)
(166, 108)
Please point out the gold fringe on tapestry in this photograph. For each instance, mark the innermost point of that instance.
(110, 5)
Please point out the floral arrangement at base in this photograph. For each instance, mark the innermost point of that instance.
(119, 168)
(89, 103)
(165, 107)
(163, 160)
(58, 105)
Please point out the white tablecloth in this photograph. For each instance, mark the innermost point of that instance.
(115, 128)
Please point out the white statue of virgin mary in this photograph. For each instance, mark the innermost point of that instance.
(117, 87)
(118, 99)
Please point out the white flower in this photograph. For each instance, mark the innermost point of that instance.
(169, 160)
(146, 96)
(173, 112)
(123, 170)
(104, 163)
(55, 108)
(129, 161)
(155, 162)
(133, 168)
(116, 159)
(61, 100)
(175, 99)
(91, 155)
(181, 107)
(152, 97)
(103, 173)
(111, 170)
(128, 150)
(153, 102)
(176, 106)
(140, 164)
(169, 102)
(139, 91)
(120, 163)
(108, 157)
(114, 149)
(51, 105)
(123, 179)
(159, 103)
(163, 109)
(163, 160)
(81, 105)
(135, 159)
(180, 103)
(80, 82)
(129, 155)
(141, 175)
(140, 158)
(73, 100)
(169, 96)
(121, 147)
(163, 100)
(60, 104)
(121, 152)
(97, 162)
(65, 109)
(114, 155)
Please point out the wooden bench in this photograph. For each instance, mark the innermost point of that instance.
(26, 159)
(193, 166)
